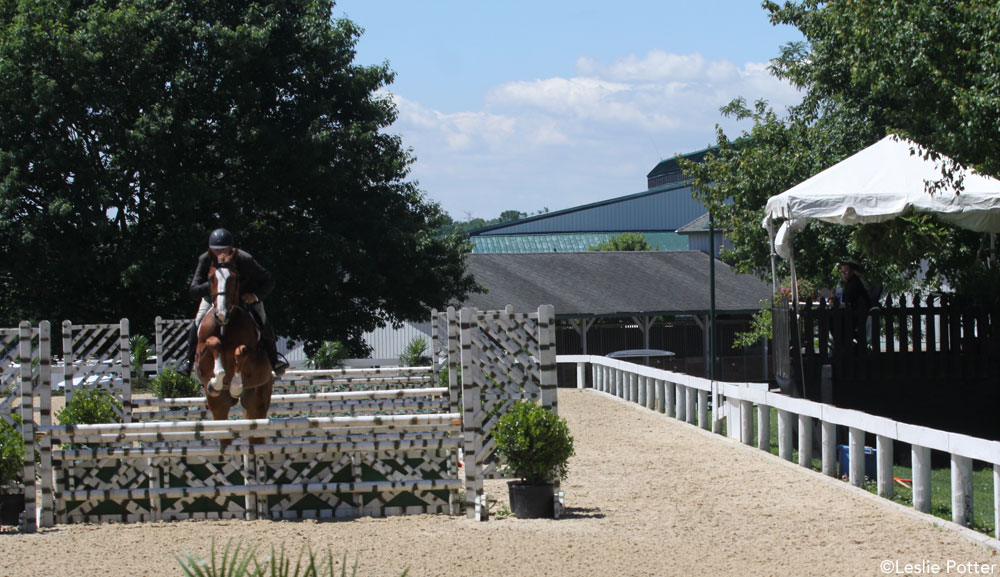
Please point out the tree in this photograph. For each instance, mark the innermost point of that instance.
(625, 241)
(129, 130)
(927, 68)
(868, 68)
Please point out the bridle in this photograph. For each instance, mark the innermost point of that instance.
(225, 300)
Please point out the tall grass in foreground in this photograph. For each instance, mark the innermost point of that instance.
(242, 562)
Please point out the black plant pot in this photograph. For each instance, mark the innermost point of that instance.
(11, 507)
(531, 501)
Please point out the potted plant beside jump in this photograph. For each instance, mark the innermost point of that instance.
(11, 469)
(537, 446)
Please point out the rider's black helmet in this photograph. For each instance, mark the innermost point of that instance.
(220, 238)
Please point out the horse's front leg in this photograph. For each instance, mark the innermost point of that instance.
(217, 381)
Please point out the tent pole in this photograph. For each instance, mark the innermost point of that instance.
(798, 332)
(774, 266)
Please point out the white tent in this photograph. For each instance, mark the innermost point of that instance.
(883, 181)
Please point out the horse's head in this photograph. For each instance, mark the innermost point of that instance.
(225, 287)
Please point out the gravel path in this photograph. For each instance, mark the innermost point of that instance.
(646, 495)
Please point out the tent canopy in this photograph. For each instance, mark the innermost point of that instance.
(886, 180)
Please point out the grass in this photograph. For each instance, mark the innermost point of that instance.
(982, 484)
(239, 561)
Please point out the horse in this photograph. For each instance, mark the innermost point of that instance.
(229, 357)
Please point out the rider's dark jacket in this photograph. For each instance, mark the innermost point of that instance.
(254, 278)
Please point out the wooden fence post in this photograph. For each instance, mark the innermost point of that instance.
(785, 429)
(805, 441)
(126, 359)
(158, 341)
(921, 458)
(886, 486)
(829, 449)
(45, 418)
(472, 417)
(856, 456)
(961, 490)
(547, 357)
(27, 425)
(764, 428)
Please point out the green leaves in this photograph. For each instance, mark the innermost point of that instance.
(11, 452)
(90, 406)
(535, 442)
(129, 130)
(925, 69)
(626, 241)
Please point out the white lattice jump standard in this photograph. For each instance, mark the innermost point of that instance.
(349, 441)
(309, 467)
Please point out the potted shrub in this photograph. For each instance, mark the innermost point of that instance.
(11, 470)
(537, 446)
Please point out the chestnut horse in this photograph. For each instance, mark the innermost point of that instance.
(230, 359)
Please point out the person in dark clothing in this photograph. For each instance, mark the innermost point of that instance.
(855, 296)
(256, 283)
(855, 288)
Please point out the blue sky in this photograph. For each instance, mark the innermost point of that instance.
(531, 105)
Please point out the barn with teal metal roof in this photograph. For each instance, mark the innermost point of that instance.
(658, 213)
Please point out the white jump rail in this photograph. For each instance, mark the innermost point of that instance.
(310, 439)
(681, 395)
(344, 402)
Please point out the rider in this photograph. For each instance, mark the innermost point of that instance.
(256, 283)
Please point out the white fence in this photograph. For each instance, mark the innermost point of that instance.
(686, 398)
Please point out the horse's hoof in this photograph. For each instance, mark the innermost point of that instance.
(212, 392)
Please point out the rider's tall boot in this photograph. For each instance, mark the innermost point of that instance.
(192, 345)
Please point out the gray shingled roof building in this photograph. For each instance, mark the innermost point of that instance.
(612, 284)
(608, 301)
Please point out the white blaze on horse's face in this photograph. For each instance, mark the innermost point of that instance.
(221, 306)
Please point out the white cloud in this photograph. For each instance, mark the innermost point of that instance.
(559, 142)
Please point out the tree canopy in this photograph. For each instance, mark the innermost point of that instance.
(925, 69)
(130, 129)
(626, 241)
